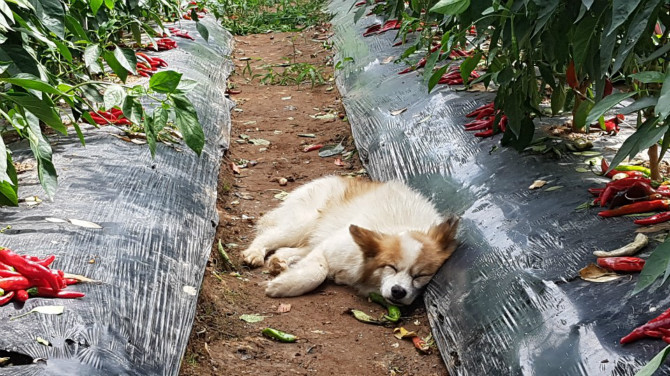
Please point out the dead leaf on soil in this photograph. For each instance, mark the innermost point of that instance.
(283, 308)
(388, 60)
(259, 141)
(42, 341)
(537, 184)
(86, 224)
(331, 150)
(235, 167)
(244, 195)
(398, 112)
(553, 188)
(329, 116)
(308, 135)
(281, 195)
(338, 162)
(364, 317)
(251, 318)
(594, 273)
(401, 333)
(654, 228)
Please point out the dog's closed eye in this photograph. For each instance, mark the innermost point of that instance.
(395, 270)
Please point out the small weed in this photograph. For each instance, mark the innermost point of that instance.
(293, 74)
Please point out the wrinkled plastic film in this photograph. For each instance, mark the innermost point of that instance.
(158, 218)
(510, 300)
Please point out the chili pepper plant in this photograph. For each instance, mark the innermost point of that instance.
(61, 59)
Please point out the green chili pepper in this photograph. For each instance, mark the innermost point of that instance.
(393, 311)
(279, 335)
(377, 298)
(642, 169)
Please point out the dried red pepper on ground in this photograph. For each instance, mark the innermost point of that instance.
(621, 264)
(654, 219)
(638, 207)
(46, 292)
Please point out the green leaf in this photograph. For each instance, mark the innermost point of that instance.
(435, 78)
(21, 60)
(648, 77)
(645, 136)
(113, 96)
(160, 116)
(557, 99)
(545, 7)
(137, 32)
(658, 264)
(655, 363)
(64, 50)
(605, 104)
(113, 63)
(187, 121)
(43, 108)
(132, 109)
(75, 28)
(583, 110)
(658, 53)
(430, 65)
(28, 81)
(126, 57)
(359, 13)
(52, 15)
(639, 104)
(91, 56)
(41, 148)
(9, 189)
(95, 5)
(4, 176)
(110, 4)
(663, 106)
(621, 10)
(150, 132)
(633, 33)
(450, 7)
(165, 81)
(202, 29)
(468, 65)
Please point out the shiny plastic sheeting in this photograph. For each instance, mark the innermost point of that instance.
(158, 218)
(510, 300)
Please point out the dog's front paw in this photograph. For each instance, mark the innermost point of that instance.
(254, 257)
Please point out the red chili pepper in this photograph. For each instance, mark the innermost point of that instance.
(9, 273)
(608, 88)
(4, 266)
(621, 264)
(372, 30)
(479, 109)
(309, 148)
(486, 133)
(46, 261)
(637, 207)
(571, 76)
(654, 219)
(33, 271)
(46, 292)
(485, 112)
(6, 298)
(615, 186)
(21, 296)
(15, 283)
(502, 124)
(70, 281)
(488, 124)
(639, 332)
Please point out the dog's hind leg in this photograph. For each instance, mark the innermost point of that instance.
(303, 277)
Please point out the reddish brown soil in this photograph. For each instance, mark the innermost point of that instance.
(331, 342)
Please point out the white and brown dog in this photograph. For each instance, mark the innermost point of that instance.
(376, 237)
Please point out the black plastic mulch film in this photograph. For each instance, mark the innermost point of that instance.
(510, 300)
(158, 218)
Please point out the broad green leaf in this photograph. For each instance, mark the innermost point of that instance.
(430, 65)
(638, 25)
(658, 264)
(113, 96)
(468, 65)
(126, 57)
(202, 29)
(28, 81)
(80, 135)
(95, 5)
(360, 12)
(52, 15)
(639, 104)
(450, 7)
(583, 110)
(75, 28)
(557, 99)
(132, 109)
(655, 363)
(188, 124)
(137, 32)
(150, 132)
(648, 77)
(186, 85)
(113, 63)
(435, 78)
(646, 135)
(43, 108)
(110, 4)
(4, 176)
(658, 53)
(165, 81)
(663, 106)
(160, 116)
(64, 50)
(91, 55)
(605, 104)
(621, 10)
(545, 7)
(41, 148)
(4, 8)
(21, 60)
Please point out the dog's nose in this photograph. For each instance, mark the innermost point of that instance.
(398, 292)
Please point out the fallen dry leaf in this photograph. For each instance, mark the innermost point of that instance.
(594, 273)
(388, 60)
(338, 162)
(401, 333)
(283, 308)
(398, 112)
(537, 184)
(235, 167)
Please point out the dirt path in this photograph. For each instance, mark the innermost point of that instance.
(331, 341)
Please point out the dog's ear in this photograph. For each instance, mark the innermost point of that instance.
(444, 234)
(367, 240)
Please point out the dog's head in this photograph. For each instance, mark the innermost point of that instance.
(402, 264)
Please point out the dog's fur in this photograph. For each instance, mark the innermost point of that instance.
(376, 237)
